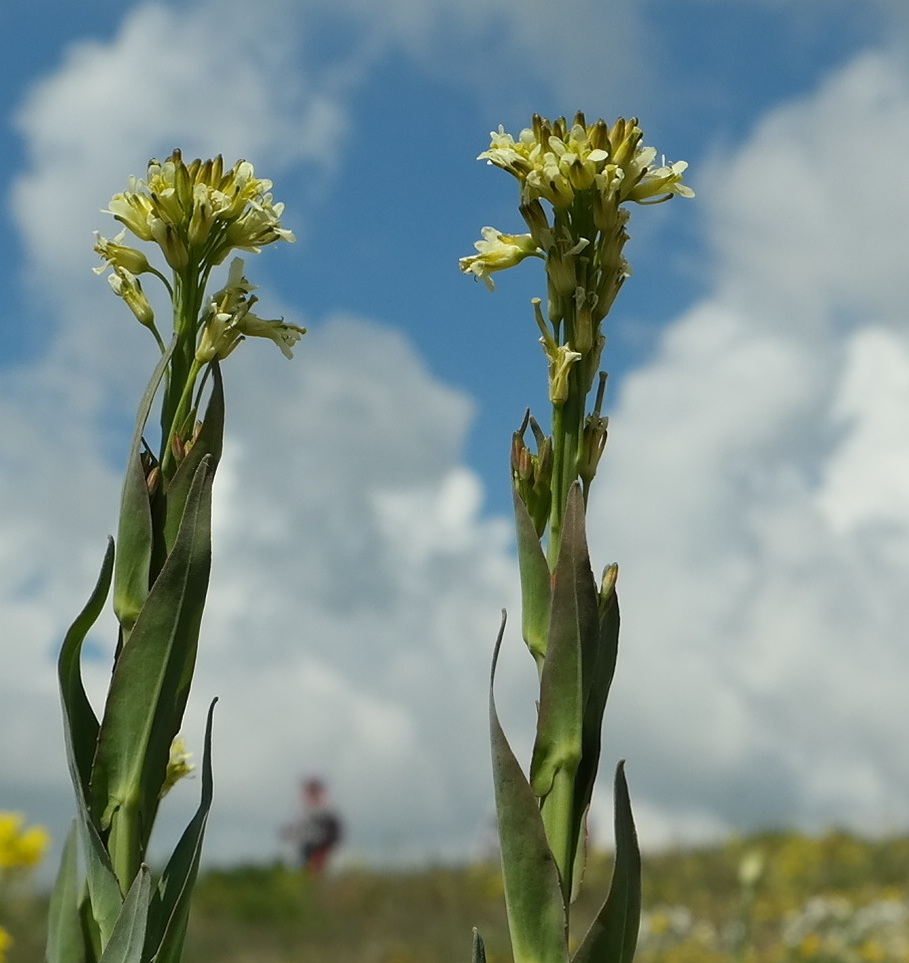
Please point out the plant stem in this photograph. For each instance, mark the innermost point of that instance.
(124, 844)
(557, 810)
(567, 428)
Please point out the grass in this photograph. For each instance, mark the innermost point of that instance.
(833, 899)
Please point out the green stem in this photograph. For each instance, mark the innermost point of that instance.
(189, 289)
(184, 405)
(557, 810)
(567, 435)
(124, 844)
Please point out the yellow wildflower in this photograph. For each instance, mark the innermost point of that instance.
(178, 764)
(496, 252)
(229, 320)
(117, 255)
(554, 161)
(200, 211)
(19, 847)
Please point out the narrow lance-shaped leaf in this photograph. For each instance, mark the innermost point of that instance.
(65, 940)
(171, 904)
(600, 681)
(135, 535)
(478, 954)
(537, 919)
(128, 938)
(573, 620)
(150, 684)
(80, 724)
(80, 733)
(613, 935)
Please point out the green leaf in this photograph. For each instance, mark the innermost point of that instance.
(150, 685)
(479, 950)
(209, 442)
(80, 725)
(537, 919)
(80, 733)
(135, 534)
(65, 940)
(128, 938)
(613, 935)
(573, 628)
(600, 679)
(535, 587)
(171, 905)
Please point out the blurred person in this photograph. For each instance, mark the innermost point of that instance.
(317, 830)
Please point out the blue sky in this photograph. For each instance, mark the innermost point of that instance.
(756, 487)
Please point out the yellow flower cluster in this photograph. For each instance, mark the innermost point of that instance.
(554, 162)
(198, 212)
(20, 847)
(585, 173)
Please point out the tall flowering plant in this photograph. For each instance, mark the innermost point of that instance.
(576, 182)
(157, 571)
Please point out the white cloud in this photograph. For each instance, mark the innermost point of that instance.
(751, 491)
(354, 599)
(194, 78)
(355, 594)
(344, 634)
(756, 490)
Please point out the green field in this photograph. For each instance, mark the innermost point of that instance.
(835, 899)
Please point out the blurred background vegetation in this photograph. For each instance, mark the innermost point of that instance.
(773, 898)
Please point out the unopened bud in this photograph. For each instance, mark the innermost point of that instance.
(152, 480)
(593, 443)
(607, 588)
(126, 286)
(532, 474)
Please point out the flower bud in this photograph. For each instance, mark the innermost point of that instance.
(607, 588)
(125, 286)
(532, 474)
(593, 443)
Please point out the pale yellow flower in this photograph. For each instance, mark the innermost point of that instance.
(178, 764)
(117, 255)
(496, 252)
(660, 183)
(561, 360)
(554, 161)
(200, 211)
(229, 320)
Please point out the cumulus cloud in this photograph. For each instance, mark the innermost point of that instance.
(356, 590)
(753, 490)
(756, 491)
